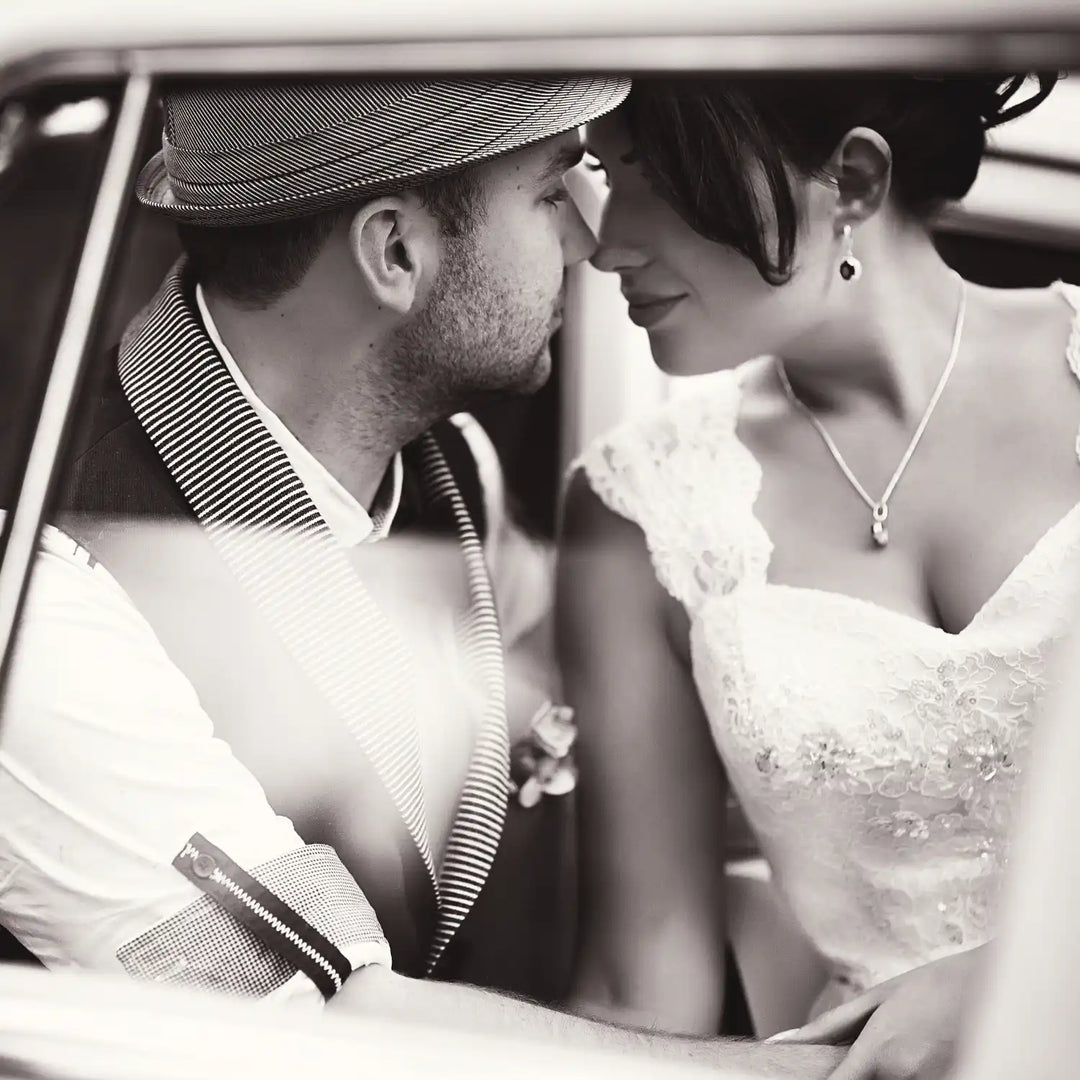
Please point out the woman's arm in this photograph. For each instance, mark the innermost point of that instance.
(652, 791)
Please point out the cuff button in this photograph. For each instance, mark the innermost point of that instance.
(203, 866)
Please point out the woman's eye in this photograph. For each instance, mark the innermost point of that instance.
(594, 164)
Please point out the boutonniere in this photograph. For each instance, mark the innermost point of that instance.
(542, 763)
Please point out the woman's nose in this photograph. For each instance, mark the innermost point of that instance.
(616, 259)
(605, 258)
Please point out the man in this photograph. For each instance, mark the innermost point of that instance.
(213, 633)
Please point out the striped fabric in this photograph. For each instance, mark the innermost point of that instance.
(273, 539)
(247, 153)
(274, 922)
(269, 533)
(206, 947)
(477, 828)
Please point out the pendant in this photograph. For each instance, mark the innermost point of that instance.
(879, 532)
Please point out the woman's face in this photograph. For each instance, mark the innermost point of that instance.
(704, 305)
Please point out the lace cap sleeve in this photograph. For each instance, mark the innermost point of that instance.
(680, 474)
(1071, 293)
(1072, 349)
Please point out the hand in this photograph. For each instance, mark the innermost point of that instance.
(904, 1029)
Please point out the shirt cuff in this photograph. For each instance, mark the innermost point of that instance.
(253, 933)
(301, 992)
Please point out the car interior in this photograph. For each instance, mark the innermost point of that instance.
(1019, 227)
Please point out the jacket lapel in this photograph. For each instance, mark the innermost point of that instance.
(274, 541)
(478, 824)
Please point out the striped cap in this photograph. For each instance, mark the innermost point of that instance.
(237, 154)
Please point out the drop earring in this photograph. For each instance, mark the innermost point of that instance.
(850, 267)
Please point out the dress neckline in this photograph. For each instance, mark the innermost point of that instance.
(1015, 575)
(1059, 526)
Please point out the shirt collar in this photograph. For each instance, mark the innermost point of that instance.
(349, 522)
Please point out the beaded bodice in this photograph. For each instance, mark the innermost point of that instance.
(877, 758)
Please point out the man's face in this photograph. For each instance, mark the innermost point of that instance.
(498, 294)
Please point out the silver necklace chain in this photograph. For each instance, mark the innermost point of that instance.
(879, 508)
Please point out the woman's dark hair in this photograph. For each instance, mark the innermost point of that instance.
(707, 145)
(256, 264)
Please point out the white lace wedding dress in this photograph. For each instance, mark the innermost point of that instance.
(877, 758)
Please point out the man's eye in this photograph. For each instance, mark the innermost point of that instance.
(557, 197)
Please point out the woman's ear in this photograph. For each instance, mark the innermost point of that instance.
(395, 248)
(862, 167)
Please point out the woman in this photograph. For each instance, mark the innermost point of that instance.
(844, 560)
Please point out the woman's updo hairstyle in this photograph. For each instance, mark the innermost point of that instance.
(713, 147)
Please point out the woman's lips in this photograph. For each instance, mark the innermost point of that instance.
(647, 311)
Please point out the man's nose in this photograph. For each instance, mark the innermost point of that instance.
(579, 242)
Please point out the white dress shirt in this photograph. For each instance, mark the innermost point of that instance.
(108, 764)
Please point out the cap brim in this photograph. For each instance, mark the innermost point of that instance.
(574, 102)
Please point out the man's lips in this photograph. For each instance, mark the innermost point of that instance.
(646, 310)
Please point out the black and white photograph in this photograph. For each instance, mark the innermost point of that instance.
(540, 540)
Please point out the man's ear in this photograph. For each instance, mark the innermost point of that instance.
(862, 167)
(395, 248)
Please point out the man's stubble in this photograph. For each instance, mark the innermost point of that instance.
(477, 338)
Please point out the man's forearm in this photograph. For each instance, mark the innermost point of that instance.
(376, 991)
